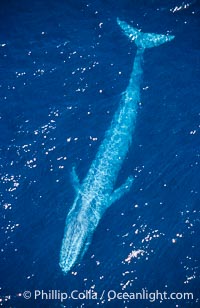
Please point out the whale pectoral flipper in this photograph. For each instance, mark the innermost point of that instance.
(124, 188)
(75, 179)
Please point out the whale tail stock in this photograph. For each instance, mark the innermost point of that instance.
(144, 40)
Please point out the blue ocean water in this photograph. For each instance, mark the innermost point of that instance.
(64, 65)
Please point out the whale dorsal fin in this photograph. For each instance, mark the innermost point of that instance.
(144, 40)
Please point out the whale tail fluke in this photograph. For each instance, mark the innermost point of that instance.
(144, 40)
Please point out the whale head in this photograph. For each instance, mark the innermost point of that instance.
(76, 238)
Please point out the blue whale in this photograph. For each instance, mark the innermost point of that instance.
(97, 191)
